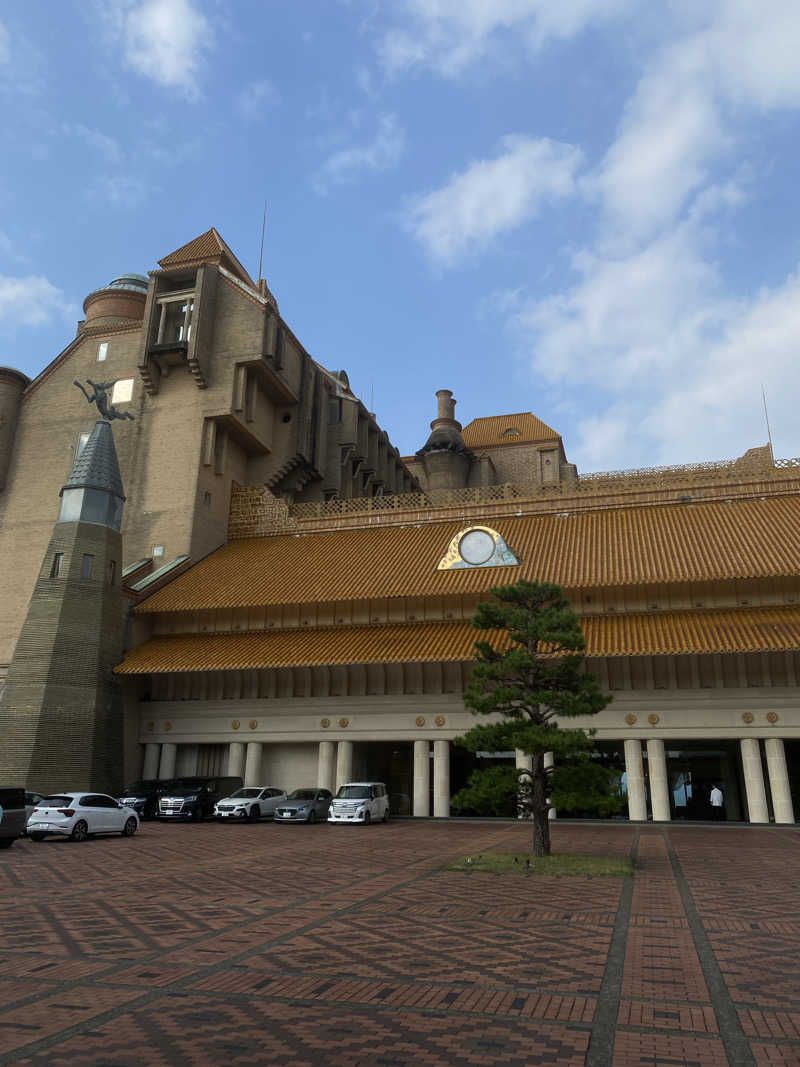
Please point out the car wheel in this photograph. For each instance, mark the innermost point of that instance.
(255, 813)
(37, 837)
(80, 831)
(6, 842)
(386, 815)
(129, 829)
(367, 818)
(312, 816)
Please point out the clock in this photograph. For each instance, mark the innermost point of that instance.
(476, 547)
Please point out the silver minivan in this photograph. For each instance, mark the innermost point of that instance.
(360, 802)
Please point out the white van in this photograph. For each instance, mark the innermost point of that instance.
(363, 802)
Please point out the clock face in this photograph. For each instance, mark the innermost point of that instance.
(476, 547)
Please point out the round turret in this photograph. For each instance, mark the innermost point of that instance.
(123, 298)
(12, 385)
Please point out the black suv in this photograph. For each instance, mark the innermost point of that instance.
(13, 817)
(194, 798)
(143, 796)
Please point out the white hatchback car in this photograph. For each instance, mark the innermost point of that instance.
(76, 815)
(362, 802)
(251, 802)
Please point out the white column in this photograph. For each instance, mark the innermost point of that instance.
(422, 779)
(441, 779)
(634, 771)
(166, 768)
(344, 762)
(152, 755)
(754, 780)
(657, 772)
(523, 763)
(161, 321)
(779, 780)
(252, 766)
(549, 761)
(325, 766)
(235, 758)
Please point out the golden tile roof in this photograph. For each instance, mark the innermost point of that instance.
(712, 541)
(733, 630)
(481, 433)
(208, 246)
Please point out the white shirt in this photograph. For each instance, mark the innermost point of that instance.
(716, 798)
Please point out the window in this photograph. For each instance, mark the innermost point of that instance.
(207, 499)
(102, 351)
(84, 437)
(112, 571)
(122, 391)
(512, 431)
(334, 411)
(158, 550)
(175, 319)
(87, 566)
(58, 560)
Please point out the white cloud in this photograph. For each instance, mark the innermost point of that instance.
(122, 190)
(30, 301)
(256, 99)
(165, 40)
(99, 142)
(448, 35)
(493, 196)
(382, 153)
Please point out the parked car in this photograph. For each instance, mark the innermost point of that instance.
(194, 798)
(252, 802)
(143, 796)
(304, 805)
(13, 816)
(77, 815)
(363, 802)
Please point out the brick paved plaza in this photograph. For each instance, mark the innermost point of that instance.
(208, 944)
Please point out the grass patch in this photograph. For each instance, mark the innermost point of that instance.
(568, 864)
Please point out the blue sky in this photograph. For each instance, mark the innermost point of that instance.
(584, 208)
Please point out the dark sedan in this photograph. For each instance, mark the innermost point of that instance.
(304, 805)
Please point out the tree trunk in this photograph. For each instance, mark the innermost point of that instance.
(539, 807)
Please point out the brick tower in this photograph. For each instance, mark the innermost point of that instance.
(60, 711)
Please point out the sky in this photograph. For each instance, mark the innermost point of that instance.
(584, 208)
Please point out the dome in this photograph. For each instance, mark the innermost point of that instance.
(124, 297)
(138, 282)
(444, 439)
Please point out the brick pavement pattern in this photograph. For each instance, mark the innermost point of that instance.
(258, 944)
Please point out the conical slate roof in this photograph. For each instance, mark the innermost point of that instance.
(97, 466)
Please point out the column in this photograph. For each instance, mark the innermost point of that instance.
(344, 762)
(152, 755)
(549, 761)
(779, 780)
(754, 780)
(634, 771)
(166, 768)
(325, 766)
(252, 766)
(422, 779)
(659, 786)
(235, 758)
(441, 779)
(523, 763)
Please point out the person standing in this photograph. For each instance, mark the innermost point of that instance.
(717, 801)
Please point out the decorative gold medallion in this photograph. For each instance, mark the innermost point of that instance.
(167, 725)
(477, 546)
(324, 723)
(772, 716)
(652, 718)
(420, 720)
(747, 716)
(630, 719)
(344, 723)
(236, 724)
(253, 724)
(440, 720)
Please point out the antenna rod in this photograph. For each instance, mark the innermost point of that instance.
(766, 419)
(261, 253)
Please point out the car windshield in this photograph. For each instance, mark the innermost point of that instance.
(56, 802)
(353, 792)
(245, 793)
(302, 794)
(185, 789)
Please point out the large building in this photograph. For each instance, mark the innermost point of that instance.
(300, 595)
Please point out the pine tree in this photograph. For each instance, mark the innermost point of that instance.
(534, 685)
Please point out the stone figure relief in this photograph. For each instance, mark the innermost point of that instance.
(100, 397)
